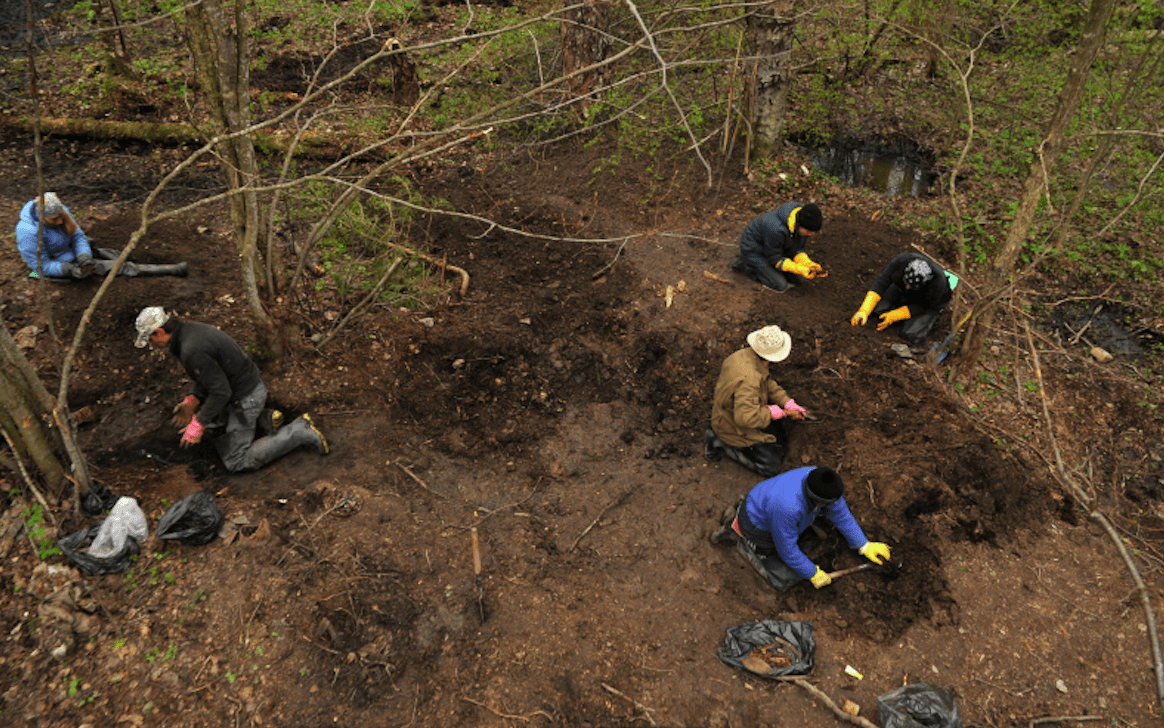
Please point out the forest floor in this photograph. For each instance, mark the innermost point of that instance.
(558, 408)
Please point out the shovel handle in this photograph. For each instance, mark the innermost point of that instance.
(850, 570)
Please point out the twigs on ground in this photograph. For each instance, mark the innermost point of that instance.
(514, 504)
(598, 273)
(360, 306)
(598, 518)
(822, 697)
(442, 264)
(1063, 477)
(1063, 718)
(343, 502)
(414, 476)
(507, 716)
(27, 478)
(1100, 297)
(645, 710)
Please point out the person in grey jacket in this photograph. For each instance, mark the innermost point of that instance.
(66, 253)
(228, 389)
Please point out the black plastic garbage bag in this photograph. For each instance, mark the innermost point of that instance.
(918, 706)
(195, 520)
(795, 638)
(72, 546)
(98, 500)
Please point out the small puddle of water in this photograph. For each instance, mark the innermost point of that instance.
(889, 169)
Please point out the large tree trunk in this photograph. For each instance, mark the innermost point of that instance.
(26, 416)
(770, 40)
(1002, 268)
(584, 43)
(221, 49)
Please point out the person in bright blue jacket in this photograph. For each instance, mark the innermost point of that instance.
(66, 252)
(778, 510)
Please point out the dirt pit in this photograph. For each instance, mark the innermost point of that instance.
(559, 409)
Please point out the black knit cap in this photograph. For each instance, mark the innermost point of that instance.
(823, 485)
(809, 218)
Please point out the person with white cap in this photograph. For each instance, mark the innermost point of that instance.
(66, 252)
(767, 523)
(912, 290)
(748, 405)
(228, 389)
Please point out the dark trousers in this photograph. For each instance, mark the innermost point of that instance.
(759, 549)
(768, 275)
(914, 329)
(764, 458)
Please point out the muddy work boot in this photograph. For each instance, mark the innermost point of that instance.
(320, 442)
(727, 534)
(711, 446)
(269, 422)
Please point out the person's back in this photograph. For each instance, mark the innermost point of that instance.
(215, 362)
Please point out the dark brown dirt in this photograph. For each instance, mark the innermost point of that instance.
(559, 409)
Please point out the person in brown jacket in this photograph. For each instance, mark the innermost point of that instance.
(749, 404)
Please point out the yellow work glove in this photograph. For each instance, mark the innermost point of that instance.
(891, 317)
(875, 551)
(803, 259)
(791, 266)
(862, 314)
(820, 578)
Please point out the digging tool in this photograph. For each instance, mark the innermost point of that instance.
(940, 350)
(862, 567)
(850, 570)
(477, 572)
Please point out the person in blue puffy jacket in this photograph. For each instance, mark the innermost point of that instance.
(66, 253)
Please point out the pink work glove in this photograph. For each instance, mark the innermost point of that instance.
(192, 434)
(792, 409)
(184, 411)
(777, 413)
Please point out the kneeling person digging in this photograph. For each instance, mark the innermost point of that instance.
(228, 389)
(767, 525)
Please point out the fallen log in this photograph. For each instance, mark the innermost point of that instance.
(313, 145)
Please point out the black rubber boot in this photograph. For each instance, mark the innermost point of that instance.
(727, 534)
(711, 445)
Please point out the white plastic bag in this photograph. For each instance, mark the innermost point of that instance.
(126, 520)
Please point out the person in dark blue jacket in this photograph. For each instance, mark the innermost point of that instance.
(66, 253)
(768, 524)
(912, 290)
(772, 247)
